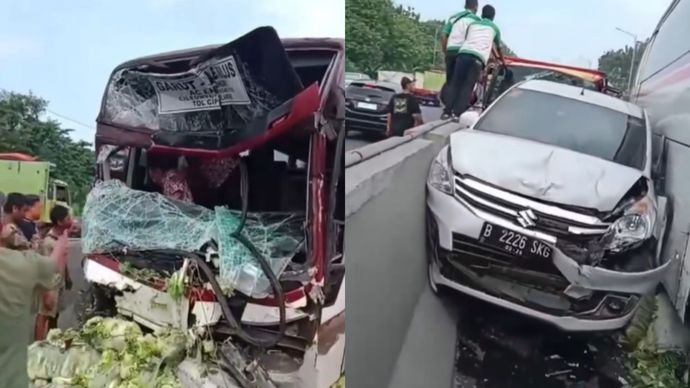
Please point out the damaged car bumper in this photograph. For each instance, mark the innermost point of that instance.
(560, 290)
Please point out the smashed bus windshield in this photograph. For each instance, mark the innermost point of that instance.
(201, 98)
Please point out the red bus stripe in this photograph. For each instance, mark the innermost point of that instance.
(680, 72)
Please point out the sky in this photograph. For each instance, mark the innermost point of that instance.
(64, 51)
(568, 32)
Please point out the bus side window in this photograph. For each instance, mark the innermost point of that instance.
(659, 162)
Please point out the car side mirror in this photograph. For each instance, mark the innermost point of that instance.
(469, 119)
(659, 166)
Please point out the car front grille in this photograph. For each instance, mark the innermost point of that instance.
(545, 218)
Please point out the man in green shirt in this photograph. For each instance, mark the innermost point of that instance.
(483, 37)
(21, 272)
(454, 33)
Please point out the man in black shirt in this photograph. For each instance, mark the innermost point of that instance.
(403, 110)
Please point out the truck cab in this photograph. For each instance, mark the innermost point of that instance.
(27, 175)
(499, 80)
(58, 194)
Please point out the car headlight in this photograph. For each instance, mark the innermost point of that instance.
(635, 225)
(439, 173)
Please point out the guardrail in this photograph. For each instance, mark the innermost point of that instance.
(368, 151)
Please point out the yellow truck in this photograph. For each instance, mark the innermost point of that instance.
(25, 174)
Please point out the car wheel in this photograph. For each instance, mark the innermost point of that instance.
(432, 284)
(431, 251)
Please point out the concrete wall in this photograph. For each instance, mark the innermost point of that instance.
(399, 334)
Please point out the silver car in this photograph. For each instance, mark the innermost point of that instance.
(545, 206)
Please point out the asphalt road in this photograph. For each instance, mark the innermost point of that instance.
(497, 348)
(356, 139)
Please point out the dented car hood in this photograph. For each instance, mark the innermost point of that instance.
(541, 171)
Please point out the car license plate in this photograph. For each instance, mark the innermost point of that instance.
(367, 106)
(514, 243)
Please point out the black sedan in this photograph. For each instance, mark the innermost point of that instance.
(366, 103)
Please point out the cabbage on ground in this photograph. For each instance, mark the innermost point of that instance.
(107, 352)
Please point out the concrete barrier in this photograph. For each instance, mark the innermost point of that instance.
(398, 333)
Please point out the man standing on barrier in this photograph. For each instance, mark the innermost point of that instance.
(482, 37)
(452, 38)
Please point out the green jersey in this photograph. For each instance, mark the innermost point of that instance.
(481, 37)
(456, 29)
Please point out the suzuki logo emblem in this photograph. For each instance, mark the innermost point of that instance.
(527, 218)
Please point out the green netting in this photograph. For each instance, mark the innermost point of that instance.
(118, 218)
(276, 236)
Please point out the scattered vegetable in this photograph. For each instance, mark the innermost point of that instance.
(340, 383)
(108, 352)
(176, 286)
(649, 367)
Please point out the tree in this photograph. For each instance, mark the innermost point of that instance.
(22, 130)
(367, 29)
(432, 29)
(383, 36)
(616, 64)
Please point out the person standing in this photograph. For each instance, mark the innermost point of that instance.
(28, 224)
(453, 36)
(403, 110)
(21, 272)
(51, 303)
(483, 37)
(14, 211)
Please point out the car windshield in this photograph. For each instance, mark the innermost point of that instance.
(567, 123)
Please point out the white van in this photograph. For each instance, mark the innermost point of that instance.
(663, 87)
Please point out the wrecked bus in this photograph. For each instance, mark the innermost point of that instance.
(221, 166)
(663, 87)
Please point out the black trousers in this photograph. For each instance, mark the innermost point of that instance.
(450, 65)
(466, 73)
(450, 69)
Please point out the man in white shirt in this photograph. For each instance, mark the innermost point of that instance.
(473, 56)
(454, 33)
